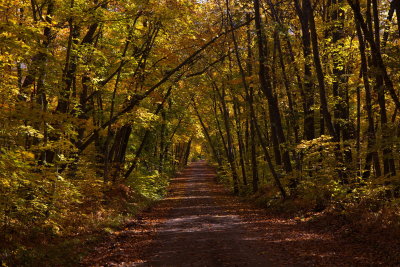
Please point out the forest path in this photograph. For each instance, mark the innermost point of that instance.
(201, 224)
(200, 230)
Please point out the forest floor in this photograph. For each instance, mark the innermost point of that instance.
(201, 224)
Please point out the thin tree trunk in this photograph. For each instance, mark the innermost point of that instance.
(320, 73)
(293, 120)
(230, 152)
(208, 137)
(372, 155)
(308, 91)
(274, 114)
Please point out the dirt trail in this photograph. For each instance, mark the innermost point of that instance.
(200, 224)
(200, 231)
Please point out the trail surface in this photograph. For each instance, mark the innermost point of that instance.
(201, 231)
(200, 224)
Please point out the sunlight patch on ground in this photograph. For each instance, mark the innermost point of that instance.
(188, 197)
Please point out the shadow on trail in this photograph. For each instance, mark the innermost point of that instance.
(198, 231)
(208, 227)
(201, 224)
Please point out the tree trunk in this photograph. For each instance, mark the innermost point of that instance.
(230, 153)
(319, 71)
(274, 114)
(308, 91)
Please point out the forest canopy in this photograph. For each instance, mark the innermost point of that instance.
(102, 101)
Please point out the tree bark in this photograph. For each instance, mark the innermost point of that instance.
(309, 123)
(319, 71)
(274, 114)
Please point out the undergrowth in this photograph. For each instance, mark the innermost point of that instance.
(370, 210)
(67, 236)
